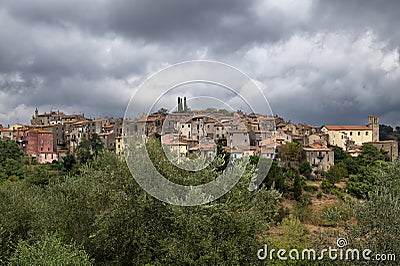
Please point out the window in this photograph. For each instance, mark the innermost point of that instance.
(351, 133)
(366, 133)
(359, 133)
(183, 126)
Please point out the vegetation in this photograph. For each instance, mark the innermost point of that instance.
(291, 152)
(94, 213)
(336, 173)
(103, 213)
(48, 251)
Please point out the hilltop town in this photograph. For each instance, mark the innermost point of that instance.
(52, 135)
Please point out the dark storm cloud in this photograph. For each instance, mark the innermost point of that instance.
(380, 16)
(320, 61)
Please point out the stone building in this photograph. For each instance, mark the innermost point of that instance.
(347, 137)
(319, 157)
(391, 147)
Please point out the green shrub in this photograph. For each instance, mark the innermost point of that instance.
(326, 185)
(336, 173)
(50, 250)
(310, 188)
(334, 215)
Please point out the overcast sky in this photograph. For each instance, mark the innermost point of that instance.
(320, 62)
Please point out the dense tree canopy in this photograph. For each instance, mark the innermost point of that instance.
(103, 210)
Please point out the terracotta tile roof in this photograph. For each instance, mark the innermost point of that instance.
(347, 128)
(105, 134)
(195, 148)
(281, 125)
(316, 147)
(100, 119)
(81, 122)
(41, 131)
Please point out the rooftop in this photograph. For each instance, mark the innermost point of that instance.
(348, 128)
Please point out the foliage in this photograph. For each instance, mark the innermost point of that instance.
(275, 177)
(339, 154)
(319, 195)
(297, 188)
(254, 159)
(326, 185)
(336, 173)
(11, 162)
(370, 154)
(104, 210)
(50, 250)
(378, 217)
(162, 111)
(310, 188)
(305, 169)
(292, 152)
(335, 215)
(89, 147)
(84, 151)
(292, 235)
(364, 181)
(385, 131)
(68, 162)
(7, 245)
(40, 175)
(96, 144)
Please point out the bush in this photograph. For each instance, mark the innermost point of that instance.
(378, 217)
(297, 188)
(305, 169)
(336, 173)
(334, 215)
(292, 234)
(49, 251)
(326, 185)
(310, 188)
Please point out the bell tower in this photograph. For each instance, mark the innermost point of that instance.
(373, 123)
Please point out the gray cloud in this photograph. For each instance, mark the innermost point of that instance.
(322, 62)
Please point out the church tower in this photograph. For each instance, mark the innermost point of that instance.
(373, 123)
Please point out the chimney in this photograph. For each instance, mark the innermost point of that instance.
(179, 104)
